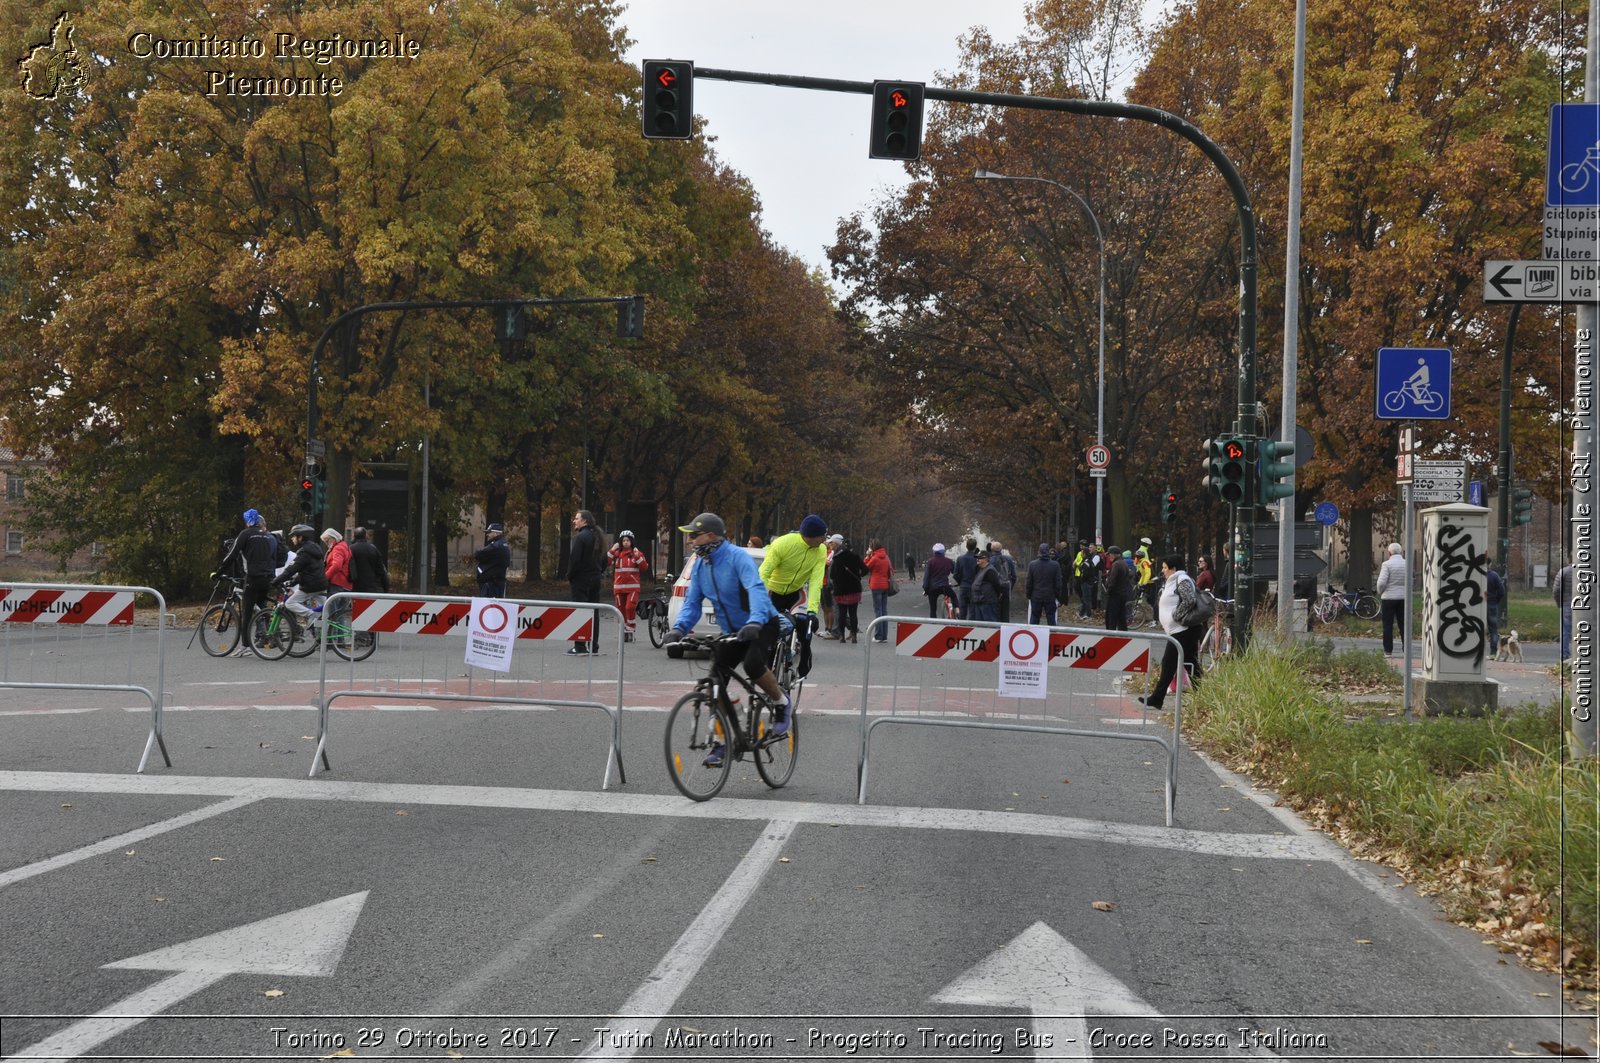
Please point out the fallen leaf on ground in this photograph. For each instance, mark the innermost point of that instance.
(401, 812)
(783, 859)
(218, 859)
(1066, 782)
(343, 1053)
(648, 860)
(273, 993)
(1103, 906)
(1363, 941)
(1556, 1048)
(130, 852)
(66, 806)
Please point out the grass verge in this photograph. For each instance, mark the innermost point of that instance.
(1492, 815)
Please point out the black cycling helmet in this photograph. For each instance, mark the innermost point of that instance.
(303, 530)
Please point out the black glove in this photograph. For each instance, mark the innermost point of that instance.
(750, 632)
(672, 635)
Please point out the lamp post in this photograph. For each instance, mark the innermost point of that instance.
(1100, 408)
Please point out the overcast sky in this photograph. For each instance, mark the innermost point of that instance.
(814, 169)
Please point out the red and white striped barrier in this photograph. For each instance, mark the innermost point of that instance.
(955, 642)
(25, 606)
(422, 616)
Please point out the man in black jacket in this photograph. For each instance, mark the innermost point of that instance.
(257, 549)
(965, 572)
(1043, 587)
(494, 560)
(367, 569)
(1119, 589)
(585, 562)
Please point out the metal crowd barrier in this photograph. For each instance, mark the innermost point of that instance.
(396, 618)
(1076, 655)
(63, 620)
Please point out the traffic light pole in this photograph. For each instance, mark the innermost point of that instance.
(1247, 417)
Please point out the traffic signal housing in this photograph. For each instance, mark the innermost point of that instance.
(308, 491)
(1521, 505)
(630, 317)
(1277, 464)
(1227, 458)
(319, 492)
(1169, 508)
(896, 120)
(668, 99)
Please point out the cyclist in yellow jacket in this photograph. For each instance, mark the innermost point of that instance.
(794, 563)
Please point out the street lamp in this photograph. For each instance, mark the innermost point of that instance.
(1100, 412)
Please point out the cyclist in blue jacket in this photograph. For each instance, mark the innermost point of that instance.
(728, 577)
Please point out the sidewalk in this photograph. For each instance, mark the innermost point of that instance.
(1533, 681)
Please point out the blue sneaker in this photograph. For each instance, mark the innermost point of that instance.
(780, 718)
(714, 758)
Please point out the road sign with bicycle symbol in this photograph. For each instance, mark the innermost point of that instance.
(1413, 383)
(1572, 176)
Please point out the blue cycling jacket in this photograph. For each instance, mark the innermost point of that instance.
(729, 579)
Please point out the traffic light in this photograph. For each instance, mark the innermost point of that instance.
(308, 490)
(630, 317)
(510, 327)
(1521, 505)
(1277, 464)
(319, 493)
(896, 120)
(1169, 508)
(1226, 458)
(668, 99)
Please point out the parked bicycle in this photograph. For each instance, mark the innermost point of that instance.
(1332, 604)
(653, 612)
(1140, 614)
(219, 628)
(715, 713)
(1218, 640)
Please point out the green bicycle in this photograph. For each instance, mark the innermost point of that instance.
(278, 633)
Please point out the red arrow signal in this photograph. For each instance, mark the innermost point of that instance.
(897, 99)
(666, 77)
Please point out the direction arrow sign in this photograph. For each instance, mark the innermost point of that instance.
(308, 942)
(1539, 281)
(1044, 972)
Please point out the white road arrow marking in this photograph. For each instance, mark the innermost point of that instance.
(308, 943)
(1044, 972)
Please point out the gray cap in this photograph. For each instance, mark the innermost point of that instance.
(705, 522)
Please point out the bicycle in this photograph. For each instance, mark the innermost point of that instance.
(653, 611)
(344, 640)
(1140, 615)
(274, 631)
(1332, 604)
(1218, 640)
(706, 716)
(219, 627)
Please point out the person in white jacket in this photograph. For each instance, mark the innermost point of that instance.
(1392, 593)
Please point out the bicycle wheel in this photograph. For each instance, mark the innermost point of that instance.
(352, 645)
(1392, 401)
(776, 754)
(272, 632)
(219, 629)
(694, 725)
(658, 625)
(1139, 614)
(305, 640)
(1367, 607)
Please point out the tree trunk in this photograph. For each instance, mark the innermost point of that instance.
(535, 502)
(441, 554)
(1359, 573)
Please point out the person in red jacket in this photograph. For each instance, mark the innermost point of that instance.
(628, 566)
(881, 571)
(337, 563)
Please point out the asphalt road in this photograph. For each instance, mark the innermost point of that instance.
(461, 882)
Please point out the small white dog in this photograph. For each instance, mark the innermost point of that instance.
(1510, 648)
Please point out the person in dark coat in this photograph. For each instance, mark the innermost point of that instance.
(983, 598)
(1042, 584)
(846, 572)
(966, 571)
(1120, 589)
(256, 550)
(936, 580)
(494, 560)
(371, 575)
(1497, 597)
(585, 562)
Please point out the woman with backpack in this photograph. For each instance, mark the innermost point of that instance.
(1184, 617)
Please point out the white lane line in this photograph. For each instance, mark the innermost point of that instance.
(51, 712)
(113, 844)
(1200, 843)
(655, 997)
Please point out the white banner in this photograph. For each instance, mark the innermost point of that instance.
(1024, 655)
(491, 633)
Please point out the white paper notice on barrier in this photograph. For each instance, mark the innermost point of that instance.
(1024, 653)
(490, 634)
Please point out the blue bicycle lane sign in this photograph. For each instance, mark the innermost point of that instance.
(1572, 175)
(1413, 384)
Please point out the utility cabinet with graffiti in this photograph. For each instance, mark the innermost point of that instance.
(1455, 608)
